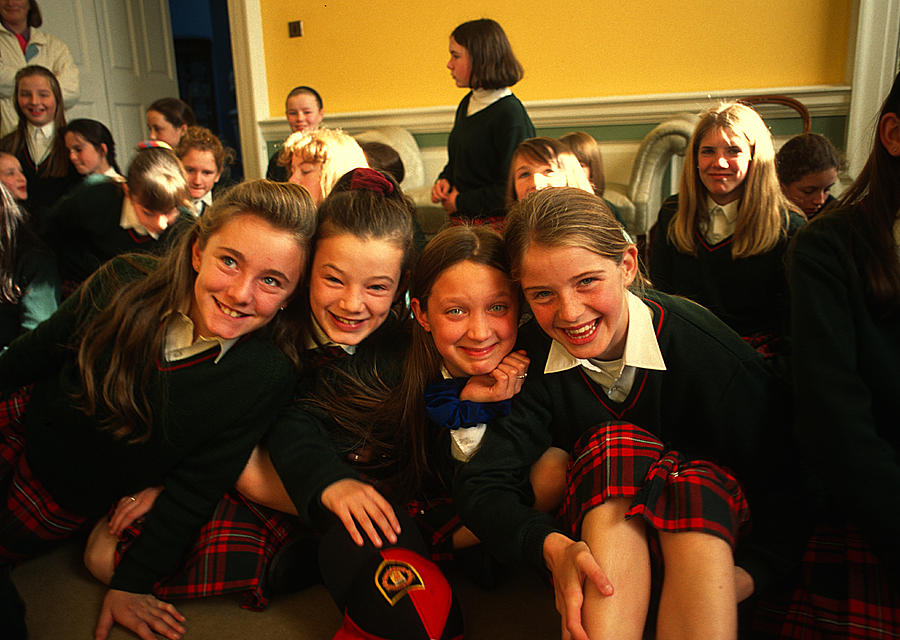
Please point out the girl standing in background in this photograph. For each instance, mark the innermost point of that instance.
(490, 122)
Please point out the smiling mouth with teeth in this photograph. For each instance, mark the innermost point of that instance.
(581, 332)
(228, 311)
(347, 321)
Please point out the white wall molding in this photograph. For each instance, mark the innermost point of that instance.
(251, 86)
(820, 100)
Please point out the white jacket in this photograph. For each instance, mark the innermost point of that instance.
(52, 53)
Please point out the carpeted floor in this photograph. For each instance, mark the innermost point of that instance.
(63, 601)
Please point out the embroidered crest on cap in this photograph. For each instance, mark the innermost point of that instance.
(395, 579)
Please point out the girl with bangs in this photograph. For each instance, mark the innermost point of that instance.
(721, 241)
(538, 163)
(665, 413)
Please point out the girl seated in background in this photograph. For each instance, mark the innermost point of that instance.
(490, 122)
(37, 143)
(91, 149)
(318, 158)
(589, 157)
(168, 120)
(101, 220)
(304, 112)
(721, 240)
(12, 177)
(649, 394)
(204, 158)
(808, 167)
(29, 281)
(538, 163)
(159, 371)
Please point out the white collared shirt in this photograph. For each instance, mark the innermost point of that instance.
(616, 377)
(129, 220)
(114, 175)
(40, 141)
(200, 204)
(320, 339)
(721, 222)
(180, 344)
(483, 98)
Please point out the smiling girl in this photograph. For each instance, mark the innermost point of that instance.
(644, 391)
(101, 220)
(157, 371)
(12, 177)
(490, 122)
(721, 240)
(304, 112)
(36, 142)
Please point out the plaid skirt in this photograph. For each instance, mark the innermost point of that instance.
(31, 521)
(672, 494)
(231, 553)
(842, 592)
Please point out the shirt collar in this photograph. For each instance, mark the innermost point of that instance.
(641, 347)
(180, 343)
(48, 130)
(482, 98)
(129, 220)
(319, 338)
(729, 211)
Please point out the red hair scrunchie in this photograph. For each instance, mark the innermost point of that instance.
(371, 180)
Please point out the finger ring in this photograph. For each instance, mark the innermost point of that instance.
(523, 376)
(132, 498)
(355, 457)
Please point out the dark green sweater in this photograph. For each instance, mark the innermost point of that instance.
(479, 150)
(207, 418)
(715, 401)
(83, 229)
(847, 380)
(748, 294)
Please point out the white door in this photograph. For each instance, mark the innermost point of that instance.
(126, 60)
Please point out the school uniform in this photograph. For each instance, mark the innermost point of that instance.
(479, 150)
(34, 155)
(749, 294)
(211, 401)
(36, 275)
(846, 365)
(97, 222)
(699, 399)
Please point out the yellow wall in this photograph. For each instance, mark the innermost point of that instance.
(381, 54)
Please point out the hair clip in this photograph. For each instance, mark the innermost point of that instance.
(153, 144)
(371, 180)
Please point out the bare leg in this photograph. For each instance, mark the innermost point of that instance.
(100, 552)
(620, 548)
(698, 593)
(548, 479)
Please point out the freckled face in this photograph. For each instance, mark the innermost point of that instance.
(246, 272)
(578, 297)
(353, 283)
(723, 160)
(472, 314)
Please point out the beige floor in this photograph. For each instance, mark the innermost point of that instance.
(63, 601)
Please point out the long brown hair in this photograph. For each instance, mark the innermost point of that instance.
(58, 164)
(119, 346)
(478, 244)
(877, 192)
(762, 212)
(12, 225)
